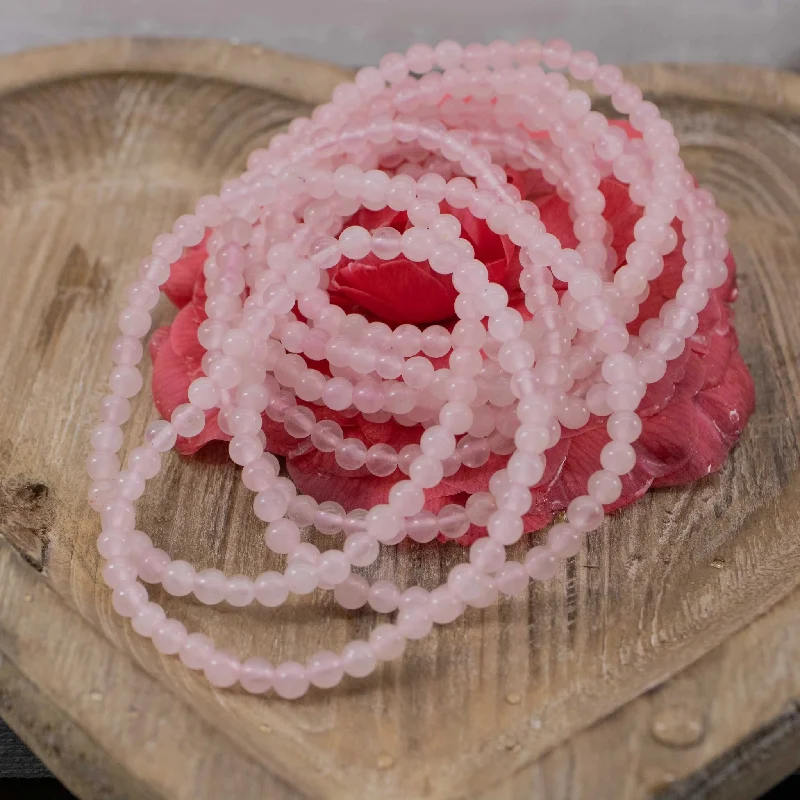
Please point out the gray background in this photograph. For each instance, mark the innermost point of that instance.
(353, 32)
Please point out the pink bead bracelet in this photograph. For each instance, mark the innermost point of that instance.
(274, 234)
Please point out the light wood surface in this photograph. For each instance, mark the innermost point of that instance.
(662, 661)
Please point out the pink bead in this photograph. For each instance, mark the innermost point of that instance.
(361, 549)
(351, 454)
(351, 593)
(467, 582)
(487, 555)
(178, 578)
(540, 563)
(270, 505)
(505, 526)
(422, 527)
(405, 498)
(618, 457)
(444, 606)
(453, 521)
(387, 642)
(271, 589)
(381, 460)
(115, 410)
(147, 619)
(106, 437)
(333, 567)
(210, 586)
(358, 659)
(188, 420)
(479, 507)
(196, 651)
(239, 591)
(585, 514)
(127, 350)
(128, 599)
(324, 669)
(152, 565)
(338, 394)
(222, 669)
(384, 596)
(511, 579)
(161, 435)
(564, 541)
(169, 637)
(256, 675)
(301, 577)
(113, 544)
(134, 322)
(290, 680)
(414, 622)
(102, 465)
(119, 572)
(355, 242)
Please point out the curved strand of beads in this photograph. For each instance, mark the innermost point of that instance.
(511, 383)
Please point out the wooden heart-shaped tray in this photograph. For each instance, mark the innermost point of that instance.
(662, 660)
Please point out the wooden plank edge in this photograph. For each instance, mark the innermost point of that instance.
(74, 728)
(313, 81)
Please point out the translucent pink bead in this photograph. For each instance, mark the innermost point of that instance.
(301, 577)
(256, 675)
(453, 521)
(351, 454)
(152, 565)
(585, 514)
(444, 605)
(422, 527)
(147, 619)
(128, 599)
(487, 554)
(239, 591)
(333, 567)
(605, 486)
(222, 669)
(169, 637)
(351, 593)
(324, 669)
(358, 659)
(618, 457)
(106, 437)
(355, 242)
(511, 579)
(210, 586)
(188, 420)
(381, 460)
(290, 680)
(161, 435)
(270, 505)
(119, 572)
(179, 578)
(414, 622)
(196, 651)
(271, 589)
(384, 596)
(405, 498)
(564, 541)
(540, 563)
(387, 642)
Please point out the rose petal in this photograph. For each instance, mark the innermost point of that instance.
(184, 273)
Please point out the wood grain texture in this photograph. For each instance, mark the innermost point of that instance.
(659, 662)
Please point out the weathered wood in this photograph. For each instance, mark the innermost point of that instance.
(637, 671)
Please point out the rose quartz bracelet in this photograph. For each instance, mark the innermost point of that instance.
(512, 381)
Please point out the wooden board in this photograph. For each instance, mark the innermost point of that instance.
(662, 661)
